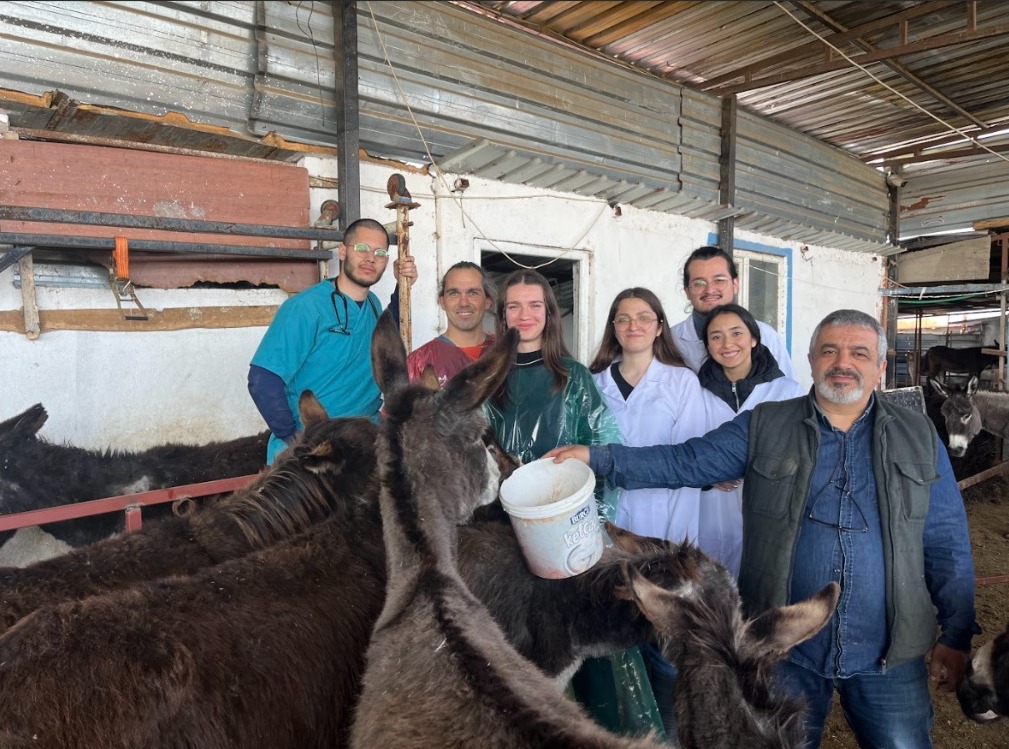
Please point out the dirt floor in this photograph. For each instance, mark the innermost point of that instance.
(988, 515)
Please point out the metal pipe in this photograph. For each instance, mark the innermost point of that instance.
(76, 510)
(164, 223)
(9, 258)
(59, 241)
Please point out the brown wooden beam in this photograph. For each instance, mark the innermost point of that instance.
(991, 223)
(999, 470)
(112, 320)
(895, 66)
(924, 45)
(816, 48)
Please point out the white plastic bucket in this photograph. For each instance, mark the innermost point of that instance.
(553, 511)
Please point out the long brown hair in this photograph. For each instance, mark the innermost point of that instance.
(663, 347)
(553, 346)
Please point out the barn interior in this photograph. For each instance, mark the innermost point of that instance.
(173, 170)
(913, 90)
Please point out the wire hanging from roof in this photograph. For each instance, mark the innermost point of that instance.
(887, 86)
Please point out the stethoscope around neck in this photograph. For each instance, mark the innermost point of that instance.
(343, 323)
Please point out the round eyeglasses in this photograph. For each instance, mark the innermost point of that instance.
(643, 320)
(718, 282)
(362, 249)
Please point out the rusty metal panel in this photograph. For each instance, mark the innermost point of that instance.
(117, 180)
(953, 196)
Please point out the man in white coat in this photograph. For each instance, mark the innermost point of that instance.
(710, 278)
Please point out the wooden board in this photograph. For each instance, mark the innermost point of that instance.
(176, 318)
(959, 261)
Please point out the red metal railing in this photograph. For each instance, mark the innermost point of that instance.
(131, 504)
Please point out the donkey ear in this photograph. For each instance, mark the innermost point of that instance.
(659, 605)
(429, 378)
(23, 426)
(628, 541)
(972, 384)
(777, 630)
(388, 356)
(477, 382)
(309, 408)
(938, 387)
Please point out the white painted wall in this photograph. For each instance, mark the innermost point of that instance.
(139, 389)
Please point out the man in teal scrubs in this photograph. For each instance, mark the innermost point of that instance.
(320, 340)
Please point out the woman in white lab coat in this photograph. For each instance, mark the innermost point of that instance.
(739, 373)
(656, 400)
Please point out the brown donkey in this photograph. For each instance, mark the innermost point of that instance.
(333, 462)
(439, 670)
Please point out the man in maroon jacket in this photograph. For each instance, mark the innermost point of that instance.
(465, 295)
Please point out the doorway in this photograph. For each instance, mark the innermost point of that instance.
(564, 274)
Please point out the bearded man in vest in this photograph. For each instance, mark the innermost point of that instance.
(841, 485)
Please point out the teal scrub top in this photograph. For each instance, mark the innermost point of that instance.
(321, 342)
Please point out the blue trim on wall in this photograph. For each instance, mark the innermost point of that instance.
(784, 252)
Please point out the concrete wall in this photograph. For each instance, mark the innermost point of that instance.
(133, 390)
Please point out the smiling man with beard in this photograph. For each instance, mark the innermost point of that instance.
(465, 295)
(320, 339)
(840, 486)
(711, 279)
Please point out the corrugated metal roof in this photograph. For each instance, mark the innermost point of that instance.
(256, 79)
(947, 57)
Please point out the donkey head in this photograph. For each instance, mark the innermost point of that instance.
(435, 439)
(16, 454)
(984, 692)
(724, 695)
(22, 426)
(963, 420)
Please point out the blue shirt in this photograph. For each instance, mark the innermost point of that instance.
(321, 342)
(843, 491)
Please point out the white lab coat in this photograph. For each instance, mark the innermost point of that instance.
(664, 408)
(695, 352)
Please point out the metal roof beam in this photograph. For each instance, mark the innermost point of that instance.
(895, 66)
(815, 48)
(935, 42)
(919, 148)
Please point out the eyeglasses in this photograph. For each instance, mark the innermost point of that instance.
(817, 508)
(718, 282)
(363, 248)
(644, 320)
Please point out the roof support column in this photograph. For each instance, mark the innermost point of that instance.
(727, 173)
(891, 304)
(348, 125)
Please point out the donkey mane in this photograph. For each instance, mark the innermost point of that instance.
(289, 498)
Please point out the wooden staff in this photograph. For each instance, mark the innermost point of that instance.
(402, 202)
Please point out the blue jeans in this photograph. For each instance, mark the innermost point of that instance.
(885, 711)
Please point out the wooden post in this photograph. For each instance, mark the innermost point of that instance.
(29, 304)
(403, 203)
